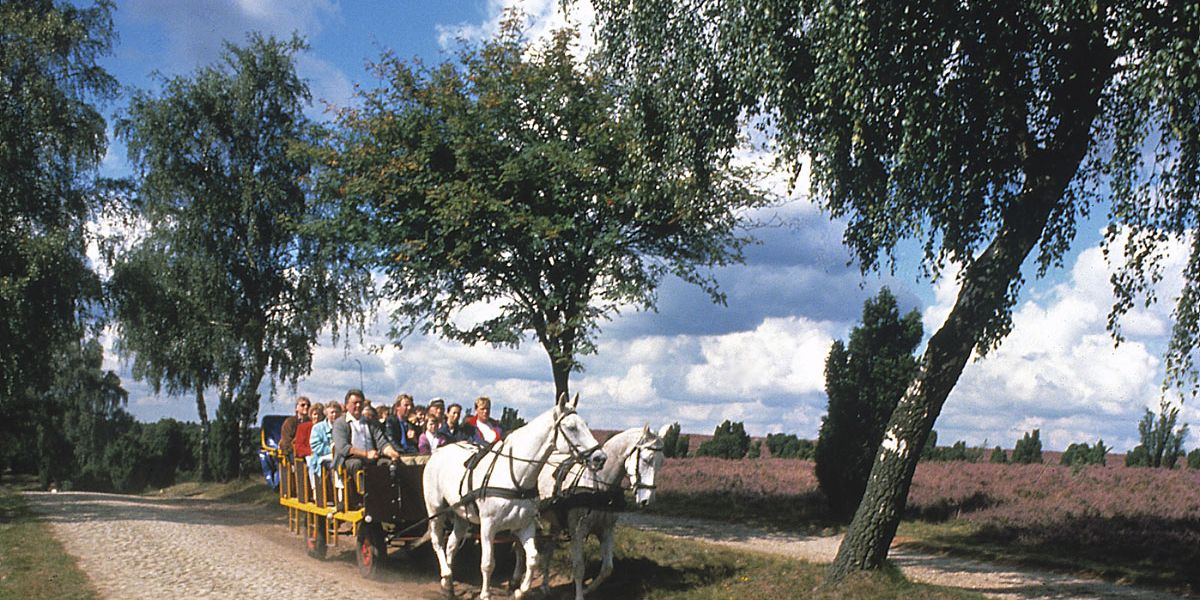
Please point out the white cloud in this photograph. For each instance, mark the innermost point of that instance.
(541, 17)
(1059, 369)
(782, 355)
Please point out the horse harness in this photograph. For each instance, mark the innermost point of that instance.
(601, 495)
(468, 491)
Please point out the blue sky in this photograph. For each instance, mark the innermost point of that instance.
(758, 360)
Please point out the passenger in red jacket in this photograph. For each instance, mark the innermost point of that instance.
(485, 429)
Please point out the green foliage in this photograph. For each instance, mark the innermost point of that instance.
(671, 440)
(1138, 457)
(755, 450)
(1028, 449)
(675, 445)
(998, 456)
(1162, 441)
(920, 120)
(1083, 454)
(929, 452)
(1193, 459)
(864, 380)
(236, 272)
(682, 446)
(959, 451)
(52, 139)
(511, 177)
(979, 131)
(729, 440)
(787, 445)
(509, 420)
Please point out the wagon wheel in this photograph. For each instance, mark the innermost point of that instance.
(315, 546)
(371, 548)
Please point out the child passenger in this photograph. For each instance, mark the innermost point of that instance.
(429, 440)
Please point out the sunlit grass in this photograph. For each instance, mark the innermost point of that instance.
(33, 565)
(655, 566)
(248, 490)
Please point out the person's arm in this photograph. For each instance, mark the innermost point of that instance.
(287, 435)
(379, 437)
(341, 442)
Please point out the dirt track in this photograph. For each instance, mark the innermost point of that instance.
(994, 581)
(141, 547)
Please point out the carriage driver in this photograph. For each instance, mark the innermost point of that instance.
(357, 440)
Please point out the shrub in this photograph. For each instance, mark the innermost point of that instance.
(755, 450)
(1161, 440)
(864, 380)
(929, 452)
(958, 452)
(729, 440)
(681, 448)
(998, 456)
(1082, 454)
(1138, 457)
(787, 445)
(671, 441)
(509, 421)
(1193, 459)
(1028, 449)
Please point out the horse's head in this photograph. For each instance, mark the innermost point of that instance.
(642, 463)
(572, 435)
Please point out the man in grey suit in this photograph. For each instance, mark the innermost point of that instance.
(357, 441)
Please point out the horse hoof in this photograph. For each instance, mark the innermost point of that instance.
(518, 594)
(447, 584)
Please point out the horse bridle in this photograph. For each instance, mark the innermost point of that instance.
(637, 466)
(583, 456)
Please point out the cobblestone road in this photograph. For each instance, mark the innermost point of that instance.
(184, 549)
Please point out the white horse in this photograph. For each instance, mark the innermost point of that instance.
(498, 488)
(588, 502)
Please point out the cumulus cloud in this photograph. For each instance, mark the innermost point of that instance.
(1060, 370)
(781, 355)
(541, 17)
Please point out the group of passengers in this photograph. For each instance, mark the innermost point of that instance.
(358, 432)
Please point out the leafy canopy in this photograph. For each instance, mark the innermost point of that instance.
(930, 120)
(51, 141)
(513, 179)
(234, 278)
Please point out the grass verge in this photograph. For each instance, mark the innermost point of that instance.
(33, 565)
(653, 566)
(803, 513)
(248, 490)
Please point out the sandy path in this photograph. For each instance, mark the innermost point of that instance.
(994, 581)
